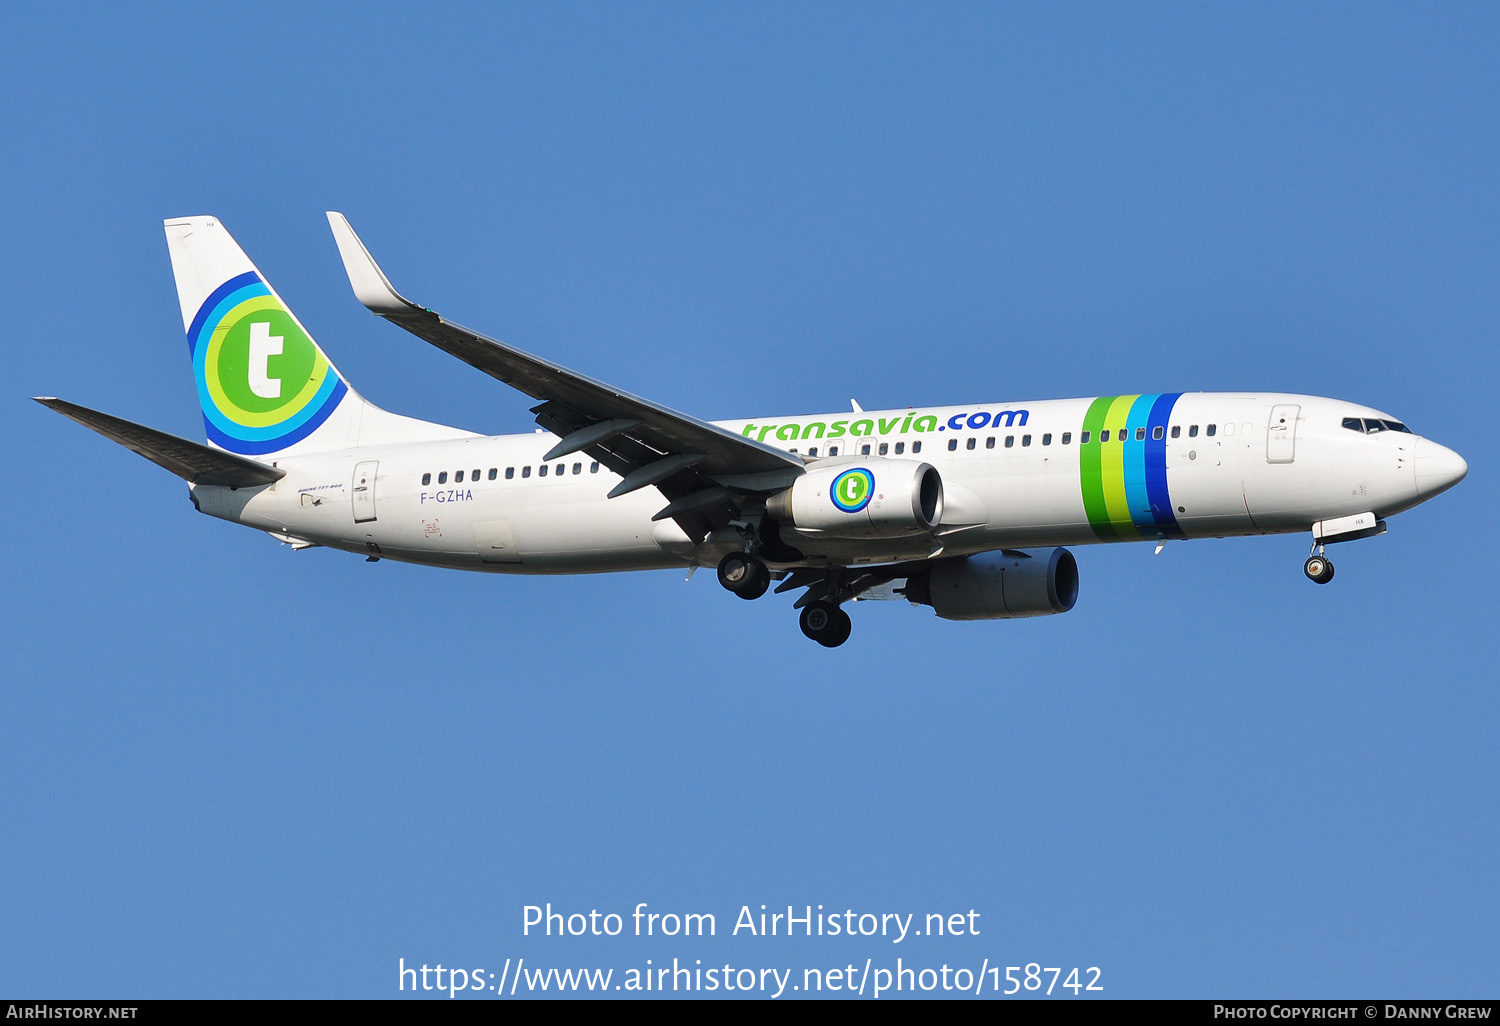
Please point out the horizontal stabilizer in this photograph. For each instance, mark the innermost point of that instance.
(190, 461)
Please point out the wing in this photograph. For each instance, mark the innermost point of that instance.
(704, 471)
(190, 461)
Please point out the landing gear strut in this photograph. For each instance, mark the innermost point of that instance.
(1318, 568)
(826, 624)
(744, 575)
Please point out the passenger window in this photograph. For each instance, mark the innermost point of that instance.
(442, 477)
(916, 447)
(1010, 441)
(577, 469)
(458, 477)
(427, 479)
(475, 476)
(1176, 430)
(560, 469)
(1228, 429)
(1193, 431)
(970, 443)
(1067, 438)
(1047, 439)
(1025, 441)
(833, 450)
(989, 443)
(1211, 429)
(1158, 432)
(510, 472)
(1083, 439)
(900, 448)
(813, 451)
(1104, 435)
(952, 444)
(525, 471)
(884, 448)
(542, 470)
(494, 473)
(594, 467)
(1140, 434)
(864, 450)
(793, 450)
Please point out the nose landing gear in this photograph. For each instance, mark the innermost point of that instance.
(1318, 568)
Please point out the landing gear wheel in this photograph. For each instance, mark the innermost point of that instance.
(1318, 569)
(826, 624)
(744, 575)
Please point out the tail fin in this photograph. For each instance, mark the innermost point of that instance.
(264, 385)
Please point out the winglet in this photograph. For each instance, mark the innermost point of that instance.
(371, 286)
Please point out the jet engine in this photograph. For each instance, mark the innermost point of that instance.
(871, 498)
(998, 585)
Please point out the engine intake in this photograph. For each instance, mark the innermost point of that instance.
(871, 498)
(998, 585)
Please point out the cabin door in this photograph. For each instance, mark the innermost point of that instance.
(364, 491)
(1281, 435)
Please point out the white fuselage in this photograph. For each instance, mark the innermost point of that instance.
(1013, 481)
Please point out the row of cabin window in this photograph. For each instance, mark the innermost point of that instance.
(883, 449)
(864, 450)
(1158, 433)
(510, 473)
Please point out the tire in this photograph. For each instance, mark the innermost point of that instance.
(1317, 569)
(818, 619)
(826, 624)
(844, 626)
(760, 581)
(744, 575)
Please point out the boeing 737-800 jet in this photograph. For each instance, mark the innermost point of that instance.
(965, 509)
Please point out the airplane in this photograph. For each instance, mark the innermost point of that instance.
(966, 509)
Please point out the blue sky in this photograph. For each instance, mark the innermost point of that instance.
(234, 770)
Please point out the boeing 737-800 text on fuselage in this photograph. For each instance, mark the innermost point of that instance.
(965, 509)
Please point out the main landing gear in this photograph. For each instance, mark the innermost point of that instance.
(1318, 568)
(743, 574)
(821, 620)
(825, 623)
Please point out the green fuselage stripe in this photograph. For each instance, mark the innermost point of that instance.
(1113, 462)
(1091, 470)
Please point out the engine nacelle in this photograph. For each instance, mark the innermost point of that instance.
(998, 585)
(871, 498)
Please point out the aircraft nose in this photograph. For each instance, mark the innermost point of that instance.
(1438, 468)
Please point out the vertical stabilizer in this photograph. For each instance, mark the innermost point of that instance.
(264, 386)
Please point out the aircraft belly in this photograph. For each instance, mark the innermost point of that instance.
(1207, 490)
(1039, 508)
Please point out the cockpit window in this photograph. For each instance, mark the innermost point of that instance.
(1370, 426)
